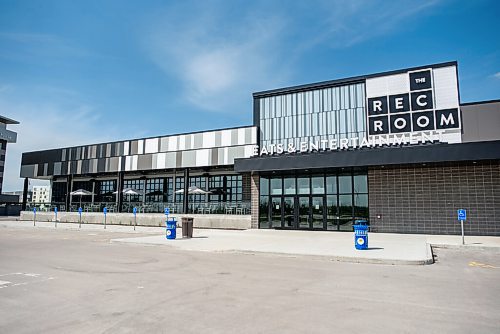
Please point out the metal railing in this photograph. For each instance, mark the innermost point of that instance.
(227, 208)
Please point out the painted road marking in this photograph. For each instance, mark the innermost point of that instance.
(16, 277)
(481, 265)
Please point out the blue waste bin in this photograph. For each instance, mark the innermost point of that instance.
(171, 228)
(361, 234)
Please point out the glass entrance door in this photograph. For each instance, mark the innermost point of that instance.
(275, 212)
(303, 212)
(317, 212)
(289, 212)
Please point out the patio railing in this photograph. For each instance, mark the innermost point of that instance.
(228, 208)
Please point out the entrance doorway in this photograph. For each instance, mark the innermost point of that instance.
(330, 201)
(298, 212)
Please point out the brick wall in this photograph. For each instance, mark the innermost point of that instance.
(425, 199)
(245, 183)
(254, 185)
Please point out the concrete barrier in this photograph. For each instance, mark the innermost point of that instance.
(238, 222)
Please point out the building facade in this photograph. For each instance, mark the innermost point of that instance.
(6, 136)
(395, 148)
(41, 194)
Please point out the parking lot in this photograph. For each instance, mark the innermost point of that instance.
(69, 281)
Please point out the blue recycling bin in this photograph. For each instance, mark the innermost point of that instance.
(171, 228)
(361, 234)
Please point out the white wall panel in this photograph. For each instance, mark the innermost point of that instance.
(226, 138)
(202, 157)
(446, 87)
(387, 85)
(208, 139)
(160, 160)
(140, 146)
(152, 145)
(172, 143)
(241, 136)
(182, 142)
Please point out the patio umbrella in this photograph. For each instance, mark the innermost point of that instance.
(129, 191)
(81, 192)
(193, 191)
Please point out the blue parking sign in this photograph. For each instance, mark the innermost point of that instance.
(135, 210)
(105, 210)
(462, 214)
(167, 211)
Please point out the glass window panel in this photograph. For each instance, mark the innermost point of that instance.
(361, 206)
(331, 184)
(264, 212)
(276, 186)
(289, 185)
(264, 186)
(332, 213)
(318, 185)
(303, 185)
(360, 184)
(345, 185)
(345, 212)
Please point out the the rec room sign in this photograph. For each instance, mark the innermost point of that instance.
(419, 104)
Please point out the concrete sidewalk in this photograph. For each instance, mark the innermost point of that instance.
(385, 248)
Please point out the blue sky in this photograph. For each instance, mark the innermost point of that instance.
(79, 72)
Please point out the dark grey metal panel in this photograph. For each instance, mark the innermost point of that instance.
(101, 165)
(374, 157)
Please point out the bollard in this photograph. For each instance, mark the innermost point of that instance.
(34, 216)
(80, 217)
(55, 212)
(105, 211)
(135, 217)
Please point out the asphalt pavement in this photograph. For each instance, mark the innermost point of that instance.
(78, 281)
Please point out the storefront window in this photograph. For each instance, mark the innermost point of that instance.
(331, 184)
(331, 202)
(345, 212)
(360, 184)
(303, 185)
(361, 206)
(289, 185)
(264, 186)
(264, 212)
(276, 186)
(318, 185)
(345, 184)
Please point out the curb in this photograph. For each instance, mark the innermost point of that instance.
(474, 247)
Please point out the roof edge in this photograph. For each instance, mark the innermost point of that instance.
(324, 84)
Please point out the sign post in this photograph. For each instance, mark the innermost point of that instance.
(105, 211)
(462, 215)
(55, 213)
(135, 217)
(34, 216)
(167, 212)
(80, 217)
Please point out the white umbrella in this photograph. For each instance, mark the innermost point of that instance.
(81, 192)
(129, 191)
(193, 190)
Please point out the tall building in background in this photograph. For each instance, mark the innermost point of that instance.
(41, 194)
(6, 136)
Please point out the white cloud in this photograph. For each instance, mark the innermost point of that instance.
(221, 54)
(218, 64)
(496, 75)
